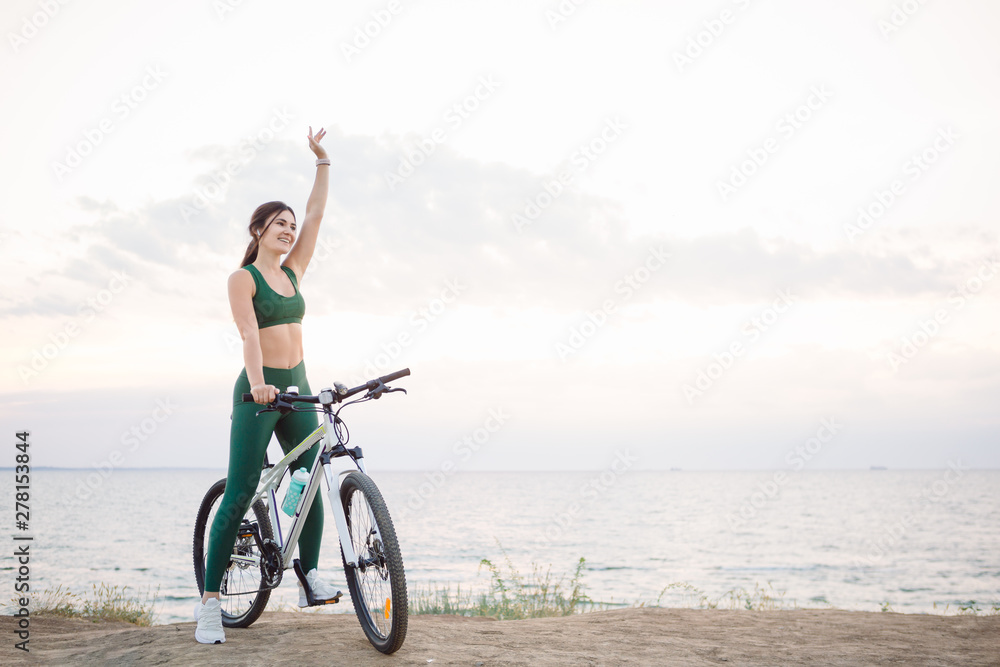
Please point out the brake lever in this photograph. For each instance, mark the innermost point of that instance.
(377, 392)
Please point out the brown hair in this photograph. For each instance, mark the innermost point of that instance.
(258, 226)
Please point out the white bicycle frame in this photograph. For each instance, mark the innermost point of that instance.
(269, 481)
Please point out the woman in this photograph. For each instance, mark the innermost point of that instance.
(268, 308)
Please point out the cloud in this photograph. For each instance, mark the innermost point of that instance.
(453, 218)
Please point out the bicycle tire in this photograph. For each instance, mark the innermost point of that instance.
(378, 585)
(244, 600)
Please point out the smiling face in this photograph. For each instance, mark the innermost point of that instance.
(279, 232)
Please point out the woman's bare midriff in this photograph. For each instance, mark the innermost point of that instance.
(281, 345)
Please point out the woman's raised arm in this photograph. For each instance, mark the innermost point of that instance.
(299, 256)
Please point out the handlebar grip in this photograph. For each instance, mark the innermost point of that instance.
(248, 398)
(395, 376)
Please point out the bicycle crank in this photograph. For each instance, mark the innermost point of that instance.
(271, 564)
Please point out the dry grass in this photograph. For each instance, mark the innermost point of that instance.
(103, 603)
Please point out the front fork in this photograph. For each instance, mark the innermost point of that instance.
(333, 484)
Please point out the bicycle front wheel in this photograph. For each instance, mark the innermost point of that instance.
(377, 584)
(243, 594)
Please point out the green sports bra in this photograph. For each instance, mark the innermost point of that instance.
(272, 308)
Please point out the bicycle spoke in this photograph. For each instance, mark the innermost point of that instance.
(373, 577)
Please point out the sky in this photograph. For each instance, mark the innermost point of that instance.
(730, 235)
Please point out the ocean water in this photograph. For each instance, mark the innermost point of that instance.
(917, 540)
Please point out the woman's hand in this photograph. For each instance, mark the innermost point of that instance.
(264, 393)
(314, 143)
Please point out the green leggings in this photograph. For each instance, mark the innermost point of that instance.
(248, 441)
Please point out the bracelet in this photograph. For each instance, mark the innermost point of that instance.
(325, 161)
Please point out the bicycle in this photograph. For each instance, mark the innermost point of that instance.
(369, 550)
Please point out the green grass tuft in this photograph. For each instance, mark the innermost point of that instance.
(760, 599)
(511, 595)
(104, 603)
(971, 608)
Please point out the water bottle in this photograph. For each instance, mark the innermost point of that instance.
(299, 479)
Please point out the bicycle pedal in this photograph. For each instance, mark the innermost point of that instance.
(310, 600)
(313, 602)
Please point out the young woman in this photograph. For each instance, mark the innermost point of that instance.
(268, 308)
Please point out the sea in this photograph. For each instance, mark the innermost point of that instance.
(911, 541)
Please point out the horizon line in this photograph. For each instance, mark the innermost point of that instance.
(543, 470)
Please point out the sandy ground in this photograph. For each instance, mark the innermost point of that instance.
(620, 637)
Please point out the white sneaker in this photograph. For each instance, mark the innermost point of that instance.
(209, 617)
(320, 589)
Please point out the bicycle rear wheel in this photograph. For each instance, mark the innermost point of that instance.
(243, 596)
(378, 584)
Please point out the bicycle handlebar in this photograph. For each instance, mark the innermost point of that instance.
(370, 385)
(392, 376)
